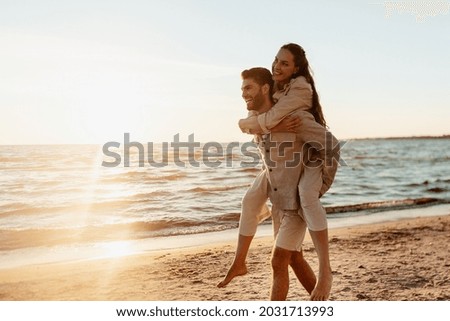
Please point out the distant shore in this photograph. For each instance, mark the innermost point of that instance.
(447, 136)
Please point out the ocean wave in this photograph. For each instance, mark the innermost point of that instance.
(13, 159)
(132, 177)
(150, 195)
(229, 217)
(383, 205)
(26, 209)
(230, 177)
(436, 190)
(9, 207)
(19, 209)
(249, 170)
(359, 157)
(213, 189)
(15, 239)
(30, 168)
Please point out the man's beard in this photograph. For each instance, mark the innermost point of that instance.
(258, 101)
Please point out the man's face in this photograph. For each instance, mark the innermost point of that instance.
(252, 94)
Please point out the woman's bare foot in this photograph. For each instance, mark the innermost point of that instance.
(323, 287)
(232, 273)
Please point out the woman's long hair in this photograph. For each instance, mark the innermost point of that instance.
(304, 70)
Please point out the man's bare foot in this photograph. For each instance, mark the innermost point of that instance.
(323, 287)
(232, 273)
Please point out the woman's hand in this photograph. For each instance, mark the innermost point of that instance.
(288, 124)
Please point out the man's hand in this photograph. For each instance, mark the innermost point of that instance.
(288, 124)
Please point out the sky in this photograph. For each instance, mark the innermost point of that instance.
(81, 72)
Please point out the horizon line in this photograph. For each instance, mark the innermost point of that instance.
(443, 136)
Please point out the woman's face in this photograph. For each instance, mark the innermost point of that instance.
(283, 67)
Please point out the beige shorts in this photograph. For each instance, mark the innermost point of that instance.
(291, 231)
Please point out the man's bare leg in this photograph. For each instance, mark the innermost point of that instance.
(303, 271)
(280, 280)
(323, 287)
(238, 266)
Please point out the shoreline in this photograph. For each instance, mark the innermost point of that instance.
(406, 259)
(76, 252)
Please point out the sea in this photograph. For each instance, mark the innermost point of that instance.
(69, 198)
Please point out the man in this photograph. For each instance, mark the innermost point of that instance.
(278, 150)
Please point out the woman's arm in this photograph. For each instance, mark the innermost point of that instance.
(288, 124)
(250, 125)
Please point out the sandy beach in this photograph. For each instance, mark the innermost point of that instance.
(403, 260)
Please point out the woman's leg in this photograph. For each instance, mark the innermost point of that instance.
(325, 280)
(315, 217)
(254, 210)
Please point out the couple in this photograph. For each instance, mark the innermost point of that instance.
(300, 160)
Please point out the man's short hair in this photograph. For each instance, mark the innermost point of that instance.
(260, 75)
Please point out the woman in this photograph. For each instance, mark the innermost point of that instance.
(295, 92)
